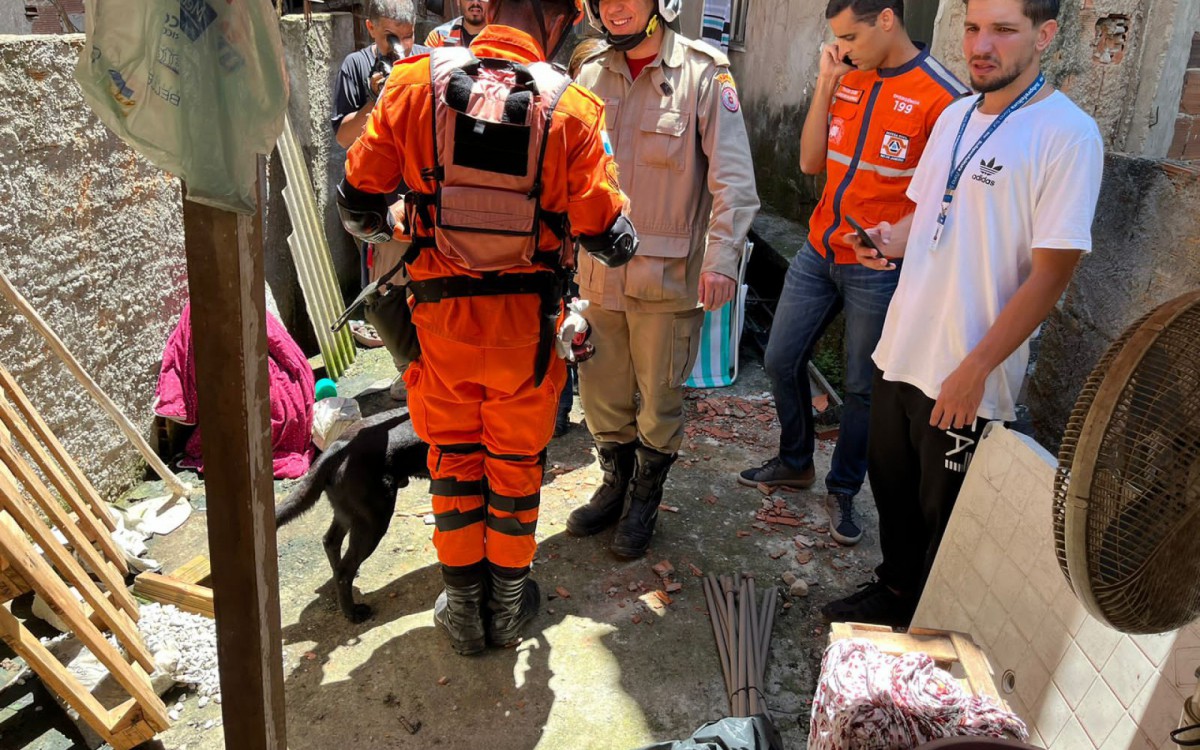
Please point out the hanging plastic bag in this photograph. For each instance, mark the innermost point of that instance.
(197, 86)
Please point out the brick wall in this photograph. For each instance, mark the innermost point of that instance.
(1186, 144)
(47, 19)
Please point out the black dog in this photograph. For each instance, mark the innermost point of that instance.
(360, 473)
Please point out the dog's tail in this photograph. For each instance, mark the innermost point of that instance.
(308, 492)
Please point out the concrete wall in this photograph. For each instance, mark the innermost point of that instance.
(314, 54)
(1122, 61)
(1164, 65)
(1146, 251)
(91, 234)
(776, 75)
(12, 18)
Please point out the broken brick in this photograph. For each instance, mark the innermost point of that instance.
(636, 619)
(784, 520)
(673, 586)
(664, 568)
(443, 680)
(778, 554)
(562, 592)
(743, 533)
(696, 571)
(804, 557)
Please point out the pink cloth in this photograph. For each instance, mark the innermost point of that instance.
(292, 385)
(867, 700)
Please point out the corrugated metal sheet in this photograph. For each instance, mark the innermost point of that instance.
(310, 252)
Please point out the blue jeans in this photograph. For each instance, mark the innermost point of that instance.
(814, 291)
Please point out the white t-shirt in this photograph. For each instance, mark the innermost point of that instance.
(1033, 183)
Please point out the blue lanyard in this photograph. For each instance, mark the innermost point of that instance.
(957, 172)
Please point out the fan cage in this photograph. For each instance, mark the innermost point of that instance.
(1127, 530)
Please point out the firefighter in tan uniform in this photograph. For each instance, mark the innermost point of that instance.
(675, 123)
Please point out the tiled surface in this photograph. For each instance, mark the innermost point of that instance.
(1079, 684)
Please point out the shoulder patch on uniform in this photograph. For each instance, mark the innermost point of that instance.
(724, 78)
(706, 49)
(729, 99)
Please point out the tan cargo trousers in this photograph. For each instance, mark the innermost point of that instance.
(646, 354)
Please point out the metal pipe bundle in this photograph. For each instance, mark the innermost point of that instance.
(742, 629)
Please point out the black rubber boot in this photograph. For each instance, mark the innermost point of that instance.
(603, 510)
(636, 526)
(514, 601)
(459, 608)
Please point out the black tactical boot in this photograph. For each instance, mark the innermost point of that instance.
(513, 602)
(604, 508)
(636, 526)
(459, 608)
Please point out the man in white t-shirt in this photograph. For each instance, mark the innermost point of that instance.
(1005, 191)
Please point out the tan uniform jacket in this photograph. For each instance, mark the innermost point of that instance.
(684, 160)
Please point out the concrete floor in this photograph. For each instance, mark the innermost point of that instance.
(588, 675)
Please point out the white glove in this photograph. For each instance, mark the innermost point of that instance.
(573, 331)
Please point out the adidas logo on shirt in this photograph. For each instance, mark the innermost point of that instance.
(988, 169)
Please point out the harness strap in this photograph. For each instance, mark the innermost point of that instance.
(453, 520)
(445, 287)
(507, 504)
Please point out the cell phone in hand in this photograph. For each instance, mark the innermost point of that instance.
(863, 237)
(847, 61)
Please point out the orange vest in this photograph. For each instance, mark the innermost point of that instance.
(492, 123)
(879, 122)
(578, 179)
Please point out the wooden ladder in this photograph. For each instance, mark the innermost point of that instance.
(22, 495)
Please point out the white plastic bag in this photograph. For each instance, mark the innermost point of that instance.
(197, 86)
(331, 417)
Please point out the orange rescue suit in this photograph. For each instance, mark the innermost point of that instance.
(472, 395)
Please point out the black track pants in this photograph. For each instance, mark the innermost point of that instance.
(916, 472)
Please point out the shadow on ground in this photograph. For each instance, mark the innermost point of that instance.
(599, 668)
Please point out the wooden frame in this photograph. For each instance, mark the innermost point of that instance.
(947, 649)
(22, 569)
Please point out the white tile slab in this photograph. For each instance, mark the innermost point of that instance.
(1050, 714)
(1127, 671)
(1123, 736)
(1099, 712)
(1072, 737)
(1074, 676)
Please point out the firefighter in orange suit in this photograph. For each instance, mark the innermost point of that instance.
(508, 166)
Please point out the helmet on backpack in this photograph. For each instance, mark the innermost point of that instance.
(665, 11)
